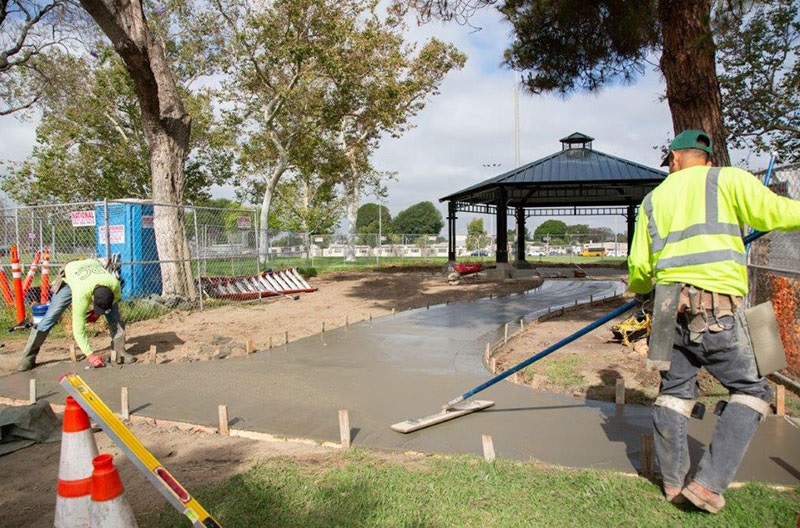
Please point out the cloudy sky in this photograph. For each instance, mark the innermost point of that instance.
(470, 124)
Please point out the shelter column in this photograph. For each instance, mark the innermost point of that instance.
(502, 227)
(631, 218)
(520, 233)
(451, 231)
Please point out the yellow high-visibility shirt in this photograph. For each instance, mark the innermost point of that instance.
(690, 229)
(83, 276)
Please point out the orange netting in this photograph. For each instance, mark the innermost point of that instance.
(784, 302)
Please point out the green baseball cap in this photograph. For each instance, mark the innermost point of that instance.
(690, 139)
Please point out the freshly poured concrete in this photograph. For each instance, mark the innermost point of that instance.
(408, 366)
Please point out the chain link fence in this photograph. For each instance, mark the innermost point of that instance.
(228, 243)
(774, 271)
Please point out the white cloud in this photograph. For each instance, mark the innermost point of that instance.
(471, 123)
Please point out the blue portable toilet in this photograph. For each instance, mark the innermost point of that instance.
(131, 234)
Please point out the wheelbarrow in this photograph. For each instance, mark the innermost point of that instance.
(463, 270)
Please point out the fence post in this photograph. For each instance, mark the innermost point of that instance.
(197, 248)
(108, 230)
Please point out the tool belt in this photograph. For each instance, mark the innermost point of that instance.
(703, 309)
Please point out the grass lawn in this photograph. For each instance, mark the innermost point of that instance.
(361, 489)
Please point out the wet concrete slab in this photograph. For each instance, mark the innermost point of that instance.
(408, 366)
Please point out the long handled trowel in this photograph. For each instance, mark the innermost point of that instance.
(458, 407)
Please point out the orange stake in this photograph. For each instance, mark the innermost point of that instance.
(31, 273)
(5, 288)
(44, 295)
(16, 276)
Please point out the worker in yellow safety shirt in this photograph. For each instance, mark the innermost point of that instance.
(91, 291)
(689, 233)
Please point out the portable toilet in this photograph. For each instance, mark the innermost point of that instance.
(131, 234)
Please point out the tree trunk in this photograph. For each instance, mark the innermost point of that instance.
(166, 127)
(266, 203)
(689, 66)
(352, 216)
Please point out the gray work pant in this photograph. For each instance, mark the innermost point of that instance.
(726, 355)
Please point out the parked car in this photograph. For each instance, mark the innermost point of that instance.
(479, 253)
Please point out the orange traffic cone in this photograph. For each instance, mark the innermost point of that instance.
(109, 507)
(75, 468)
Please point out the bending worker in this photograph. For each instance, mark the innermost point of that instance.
(83, 283)
(688, 238)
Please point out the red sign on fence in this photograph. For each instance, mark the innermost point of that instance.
(82, 218)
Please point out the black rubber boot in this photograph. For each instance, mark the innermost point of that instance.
(32, 347)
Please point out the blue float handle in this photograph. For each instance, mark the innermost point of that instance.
(569, 339)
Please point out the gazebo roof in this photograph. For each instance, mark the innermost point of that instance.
(575, 176)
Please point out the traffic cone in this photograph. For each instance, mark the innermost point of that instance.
(109, 508)
(16, 277)
(75, 468)
(44, 294)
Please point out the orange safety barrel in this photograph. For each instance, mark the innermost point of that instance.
(44, 295)
(16, 277)
(5, 288)
(31, 273)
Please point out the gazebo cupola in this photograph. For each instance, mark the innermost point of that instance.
(576, 140)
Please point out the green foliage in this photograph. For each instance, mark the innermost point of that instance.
(574, 45)
(476, 234)
(307, 272)
(759, 55)
(358, 489)
(90, 143)
(419, 219)
(371, 217)
(549, 227)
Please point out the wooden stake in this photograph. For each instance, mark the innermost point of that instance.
(223, 421)
(488, 448)
(780, 401)
(620, 396)
(32, 391)
(250, 347)
(123, 397)
(488, 352)
(493, 365)
(522, 325)
(72, 354)
(286, 338)
(370, 317)
(505, 333)
(153, 354)
(344, 428)
(270, 342)
(392, 312)
(647, 455)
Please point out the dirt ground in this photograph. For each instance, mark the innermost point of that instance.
(199, 458)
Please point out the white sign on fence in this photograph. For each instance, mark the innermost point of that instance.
(147, 221)
(243, 222)
(82, 218)
(116, 234)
